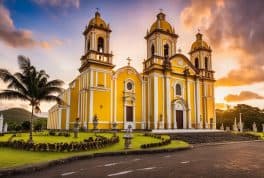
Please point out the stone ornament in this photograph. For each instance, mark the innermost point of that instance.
(128, 137)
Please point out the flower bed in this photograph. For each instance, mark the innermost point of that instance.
(157, 144)
(85, 145)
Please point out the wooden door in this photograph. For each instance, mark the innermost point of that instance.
(179, 119)
(129, 113)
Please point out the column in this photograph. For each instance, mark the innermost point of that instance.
(156, 104)
(197, 101)
(189, 104)
(91, 98)
(168, 106)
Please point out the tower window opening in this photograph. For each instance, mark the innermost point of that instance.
(100, 45)
(88, 44)
(166, 50)
(178, 89)
(206, 63)
(152, 50)
(196, 62)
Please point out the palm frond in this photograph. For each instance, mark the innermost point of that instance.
(11, 94)
(23, 63)
(52, 98)
(55, 83)
(14, 82)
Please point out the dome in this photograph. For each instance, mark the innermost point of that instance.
(199, 43)
(98, 21)
(161, 24)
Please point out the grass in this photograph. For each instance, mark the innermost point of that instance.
(12, 158)
(260, 134)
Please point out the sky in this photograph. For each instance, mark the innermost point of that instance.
(49, 32)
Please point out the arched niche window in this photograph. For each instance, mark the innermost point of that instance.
(178, 89)
(152, 50)
(206, 63)
(100, 45)
(166, 50)
(196, 62)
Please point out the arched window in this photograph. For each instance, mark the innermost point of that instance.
(88, 44)
(152, 50)
(178, 89)
(100, 45)
(206, 63)
(166, 50)
(196, 62)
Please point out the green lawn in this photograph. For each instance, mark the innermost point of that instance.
(261, 134)
(11, 157)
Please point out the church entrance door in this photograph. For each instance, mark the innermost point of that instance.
(129, 113)
(179, 119)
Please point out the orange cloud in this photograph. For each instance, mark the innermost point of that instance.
(228, 33)
(243, 96)
(17, 37)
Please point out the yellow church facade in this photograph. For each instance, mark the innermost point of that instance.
(172, 92)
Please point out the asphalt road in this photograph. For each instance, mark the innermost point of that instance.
(229, 160)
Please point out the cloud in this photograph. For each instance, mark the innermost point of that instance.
(59, 3)
(236, 27)
(243, 96)
(18, 38)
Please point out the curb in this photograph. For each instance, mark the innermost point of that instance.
(46, 165)
(224, 143)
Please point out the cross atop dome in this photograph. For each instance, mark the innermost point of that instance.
(128, 61)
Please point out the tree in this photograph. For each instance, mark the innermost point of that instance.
(30, 85)
(25, 125)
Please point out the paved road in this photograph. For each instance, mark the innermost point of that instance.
(230, 160)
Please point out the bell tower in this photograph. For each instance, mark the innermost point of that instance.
(96, 43)
(201, 56)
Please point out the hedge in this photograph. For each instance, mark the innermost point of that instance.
(157, 144)
(85, 145)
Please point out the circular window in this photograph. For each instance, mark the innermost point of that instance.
(129, 86)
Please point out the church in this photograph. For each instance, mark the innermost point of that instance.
(172, 92)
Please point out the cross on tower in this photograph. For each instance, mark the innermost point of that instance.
(97, 9)
(128, 61)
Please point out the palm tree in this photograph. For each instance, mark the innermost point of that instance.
(30, 85)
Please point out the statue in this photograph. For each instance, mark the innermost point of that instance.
(254, 127)
(76, 128)
(235, 126)
(222, 127)
(114, 128)
(95, 124)
(1, 123)
(263, 128)
(128, 137)
(5, 127)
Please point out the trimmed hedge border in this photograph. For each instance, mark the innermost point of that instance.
(87, 144)
(158, 144)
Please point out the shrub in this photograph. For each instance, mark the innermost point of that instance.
(163, 141)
